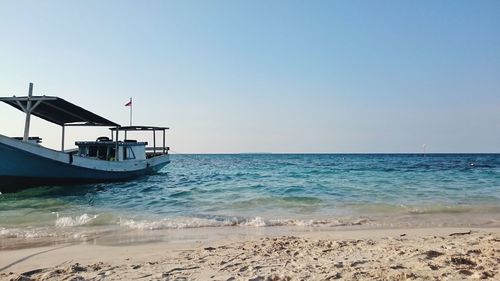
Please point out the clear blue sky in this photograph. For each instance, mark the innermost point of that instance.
(265, 76)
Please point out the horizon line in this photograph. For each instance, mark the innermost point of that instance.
(340, 153)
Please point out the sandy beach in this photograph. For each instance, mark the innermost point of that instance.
(365, 254)
(249, 140)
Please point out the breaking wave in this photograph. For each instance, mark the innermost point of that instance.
(74, 221)
(194, 222)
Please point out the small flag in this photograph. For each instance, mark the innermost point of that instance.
(129, 103)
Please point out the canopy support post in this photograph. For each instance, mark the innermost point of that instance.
(28, 114)
(116, 146)
(154, 143)
(163, 141)
(62, 140)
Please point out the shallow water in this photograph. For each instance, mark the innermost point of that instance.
(257, 190)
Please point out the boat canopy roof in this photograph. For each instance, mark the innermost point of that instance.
(58, 111)
(139, 128)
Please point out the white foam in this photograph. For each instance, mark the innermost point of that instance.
(256, 222)
(193, 222)
(74, 221)
(173, 223)
(24, 233)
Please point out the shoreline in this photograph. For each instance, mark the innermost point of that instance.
(170, 230)
(282, 253)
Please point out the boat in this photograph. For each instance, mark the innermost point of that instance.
(25, 162)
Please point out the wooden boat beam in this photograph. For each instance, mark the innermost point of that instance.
(28, 114)
(28, 109)
(21, 106)
(59, 112)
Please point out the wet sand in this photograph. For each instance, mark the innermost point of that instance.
(365, 254)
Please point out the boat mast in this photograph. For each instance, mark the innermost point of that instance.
(28, 114)
(130, 111)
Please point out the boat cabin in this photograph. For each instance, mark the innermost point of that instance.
(131, 148)
(105, 149)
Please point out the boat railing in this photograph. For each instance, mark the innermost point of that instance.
(36, 140)
(71, 150)
(150, 151)
(156, 151)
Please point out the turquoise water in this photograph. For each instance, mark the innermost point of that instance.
(256, 190)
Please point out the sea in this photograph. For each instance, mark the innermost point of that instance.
(252, 192)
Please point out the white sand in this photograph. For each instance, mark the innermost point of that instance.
(390, 254)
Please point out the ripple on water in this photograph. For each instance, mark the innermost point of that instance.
(268, 189)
